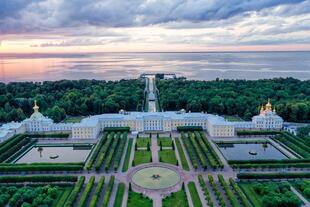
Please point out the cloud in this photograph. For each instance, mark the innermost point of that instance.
(199, 23)
(19, 15)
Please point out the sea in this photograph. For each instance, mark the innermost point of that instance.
(115, 66)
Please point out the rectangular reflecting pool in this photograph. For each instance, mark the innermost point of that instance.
(250, 151)
(56, 154)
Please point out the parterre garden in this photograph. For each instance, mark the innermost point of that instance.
(166, 150)
(106, 157)
(142, 151)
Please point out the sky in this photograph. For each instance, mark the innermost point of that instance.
(78, 26)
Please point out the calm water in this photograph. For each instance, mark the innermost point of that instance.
(114, 66)
(65, 154)
(241, 152)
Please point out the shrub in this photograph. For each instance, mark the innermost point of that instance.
(240, 194)
(197, 150)
(40, 167)
(86, 192)
(96, 151)
(205, 191)
(112, 151)
(257, 132)
(108, 192)
(120, 151)
(228, 192)
(116, 129)
(95, 197)
(272, 175)
(9, 149)
(189, 128)
(37, 178)
(104, 151)
(217, 192)
(212, 151)
(189, 150)
(75, 192)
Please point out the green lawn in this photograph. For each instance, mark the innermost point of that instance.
(142, 141)
(74, 119)
(137, 200)
(194, 194)
(127, 156)
(166, 141)
(142, 156)
(167, 156)
(177, 199)
(181, 154)
(119, 195)
(62, 198)
(251, 194)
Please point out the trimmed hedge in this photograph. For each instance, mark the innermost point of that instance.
(86, 192)
(104, 151)
(75, 192)
(113, 150)
(212, 151)
(294, 143)
(13, 146)
(272, 165)
(116, 129)
(38, 178)
(108, 192)
(204, 148)
(56, 135)
(5, 145)
(181, 154)
(119, 152)
(216, 190)
(21, 151)
(127, 156)
(40, 167)
(272, 175)
(96, 196)
(269, 161)
(257, 132)
(245, 202)
(96, 151)
(189, 128)
(228, 192)
(205, 191)
(189, 150)
(196, 147)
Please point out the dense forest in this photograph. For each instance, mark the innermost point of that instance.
(60, 98)
(291, 97)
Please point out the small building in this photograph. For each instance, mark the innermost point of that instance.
(37, 123)
(268, 118)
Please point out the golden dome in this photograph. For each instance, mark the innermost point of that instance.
(268, 105)
(36, 107)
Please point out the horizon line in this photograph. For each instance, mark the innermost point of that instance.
(225, 51)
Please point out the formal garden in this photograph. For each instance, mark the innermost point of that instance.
(98, 174)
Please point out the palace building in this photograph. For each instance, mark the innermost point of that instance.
(90, 127)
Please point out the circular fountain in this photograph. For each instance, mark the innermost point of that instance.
(155, 178)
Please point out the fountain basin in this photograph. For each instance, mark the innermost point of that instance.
(156, 178)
